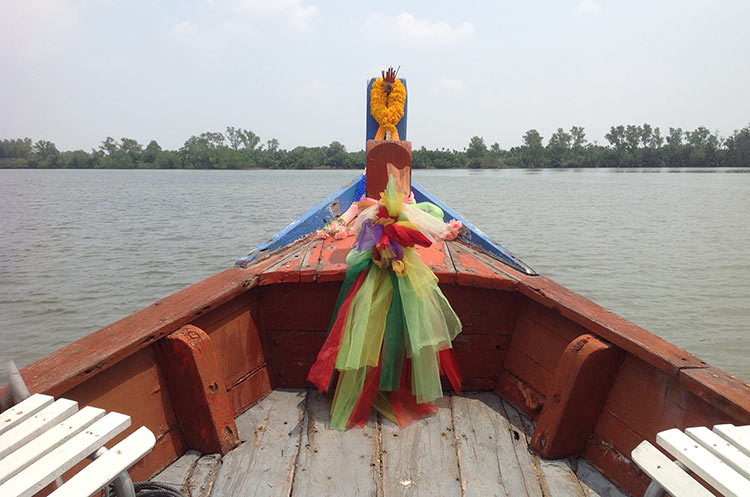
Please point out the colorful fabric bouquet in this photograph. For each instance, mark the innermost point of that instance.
(391, 333)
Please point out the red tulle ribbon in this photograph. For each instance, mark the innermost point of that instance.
(449, 367)
(405, 236)
(322, 370)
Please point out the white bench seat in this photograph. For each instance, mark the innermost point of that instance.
(721, 458)
(38, 447)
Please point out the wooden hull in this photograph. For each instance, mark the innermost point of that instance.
(595, 383)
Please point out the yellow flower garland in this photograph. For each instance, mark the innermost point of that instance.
(387, 109)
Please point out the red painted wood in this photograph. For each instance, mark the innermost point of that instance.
(519, 394)
(720, 389)
(379, 155)
(197, 390)
(309, 265)
(617, 467)
(538, 342)
(291, 354)
(527, 369)
(297, 307)
(647, 401)
(483, 311)
(248, 391)
(437, 258)
(472, 271)
(235, 338)
(551, 319)
(575, 398)
(287, 268)
(480, 358)
(332, 264)
(135, 387)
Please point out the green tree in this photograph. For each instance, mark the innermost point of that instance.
(558, 148)
(674, 150)
(78, 159)
(738, 148)
(336, 156)
(130, 152)
(532, 154)
(45, 154)
(151, 153)
(476, 152)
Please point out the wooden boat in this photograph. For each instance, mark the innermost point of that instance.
(220, 367)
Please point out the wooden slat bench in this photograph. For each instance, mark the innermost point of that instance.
(42, 438)
(720, 457)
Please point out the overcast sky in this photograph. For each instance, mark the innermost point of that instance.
(75, 72)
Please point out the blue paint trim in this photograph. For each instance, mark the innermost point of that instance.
(475, 236)
(372, 124)
(307, 223)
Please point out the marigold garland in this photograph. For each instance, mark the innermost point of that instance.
(387, 109)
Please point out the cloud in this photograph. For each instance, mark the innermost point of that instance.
(425, 31)
(184, 31)
(312, 89)
(449, 85)
(293, 13)
(589, 7)
(32, 29)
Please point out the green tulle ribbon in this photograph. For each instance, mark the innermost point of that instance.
(394, 343)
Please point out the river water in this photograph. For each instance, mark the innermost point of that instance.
(667, 249)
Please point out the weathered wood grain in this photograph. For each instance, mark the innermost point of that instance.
(333, 462)
(556, 476)
(489, 466)
(179, 471)
(264, 464)
(421, 459)
(519, 437)
(203, 476)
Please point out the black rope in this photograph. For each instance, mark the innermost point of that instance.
(149, 489)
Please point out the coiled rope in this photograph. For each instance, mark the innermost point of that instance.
(149, 489)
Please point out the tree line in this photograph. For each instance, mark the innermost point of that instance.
(236, 148)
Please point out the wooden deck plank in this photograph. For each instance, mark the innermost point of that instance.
(473, 271)
(203, 476)
(594, 483)
(178, 472)
(438, 259)
(556, 476)
(264, 464)
(421, 458)
(475, 446)
(520, 440)
(287, 268)
(332, 462)
(332, 263)
(309, 264)
(489, 466)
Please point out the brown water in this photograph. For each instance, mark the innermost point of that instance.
(667, 249)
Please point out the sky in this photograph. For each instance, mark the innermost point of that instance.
(76, 72)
